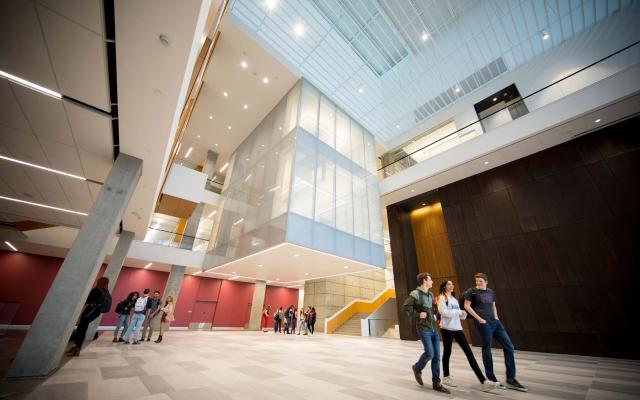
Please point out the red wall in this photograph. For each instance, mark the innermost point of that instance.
(276, 296)
(26, 278)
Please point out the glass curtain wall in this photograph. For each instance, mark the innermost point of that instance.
(305, 175)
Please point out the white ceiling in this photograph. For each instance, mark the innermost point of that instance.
(244, 86)
(66, 54)
(152, 84)
(287, 265)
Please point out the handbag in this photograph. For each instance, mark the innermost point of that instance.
(170, 318)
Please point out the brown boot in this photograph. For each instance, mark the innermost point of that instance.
(417, 375)
(439, 388)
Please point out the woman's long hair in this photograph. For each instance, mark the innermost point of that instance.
(168, 300)
(443, 290)
(133, 296)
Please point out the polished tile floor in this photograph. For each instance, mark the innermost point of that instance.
(255, 365)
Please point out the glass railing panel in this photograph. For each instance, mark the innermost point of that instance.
(380, 327)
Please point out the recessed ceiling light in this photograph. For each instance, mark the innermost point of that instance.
(458, 89)
(271, 4)
(306, 274)
(243, 64)
(296, 255)
(30, 85)
(245, 106)
(486, 163)
(424, 37)
(241, 220)
(42, 205)
(277, 279)
(43, 168)
(234, 272)
(545, 35)
(198, 136)
(346, 267)
(148, 265)
(265, 80)
(262, 145)
(225, 94)
(412, 190)
(247, 159)
(229, 127)
(212, 213)
(224, 167)
(597, 121)
(424, 204)
(215, 144)
(495, 99)
(210, 116)
(259, 265)
(360, 90)
(298, 29)
(188, 152)
(398, 126)
(279, 128)
(10, 245)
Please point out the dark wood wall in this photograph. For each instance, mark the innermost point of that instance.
(557, 233)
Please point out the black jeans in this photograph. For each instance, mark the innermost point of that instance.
(276, 325)
(447, 339)
(87, 316)
(311, 324)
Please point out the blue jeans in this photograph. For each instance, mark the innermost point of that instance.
(431, 343)
(136, 323)
(123, 321)
(487, 332)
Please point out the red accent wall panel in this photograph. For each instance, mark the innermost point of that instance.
(276, 296)
(233, 304)
(186, 300)
(132, 280)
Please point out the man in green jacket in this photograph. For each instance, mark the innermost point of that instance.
(419, 307)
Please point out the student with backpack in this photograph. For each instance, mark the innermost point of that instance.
(123, 310)
(98, 302)
(277, 319)
(139, 310)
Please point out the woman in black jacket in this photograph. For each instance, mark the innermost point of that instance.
(98, 302)
(123, 309)
(312, 319)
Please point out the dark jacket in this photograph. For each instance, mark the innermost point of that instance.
(417, 302)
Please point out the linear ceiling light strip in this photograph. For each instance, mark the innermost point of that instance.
(42, 205)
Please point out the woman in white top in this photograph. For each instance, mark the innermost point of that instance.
(451, 329)
(167, 317)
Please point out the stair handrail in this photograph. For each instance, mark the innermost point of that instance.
(356, 306)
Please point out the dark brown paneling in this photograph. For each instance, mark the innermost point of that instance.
(557, 233)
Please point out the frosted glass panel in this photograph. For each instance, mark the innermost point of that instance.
(343, 134)
(369, 153)
(309, 109)
(360, 208)
(344, 201)
(357, 144)
(327, 122)
(325, 194)
(290, 120)
(303, 181)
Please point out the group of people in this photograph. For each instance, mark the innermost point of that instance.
(145, 310)
(286, 321)
(480, 303)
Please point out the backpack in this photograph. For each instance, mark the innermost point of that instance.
(141, 304)
(105, 305)
(120, 307)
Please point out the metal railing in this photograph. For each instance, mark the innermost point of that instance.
(580, 79)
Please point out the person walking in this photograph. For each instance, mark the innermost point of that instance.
(123, 310)
(294, 321)
(139, 312)
(265, 319)
(303, 324)
(419, 307)
(98, 302)
(166, 318)
(152, 310)
(312, 320)
(480, 303)
(287, 319)
(451, 329)
(277, 319)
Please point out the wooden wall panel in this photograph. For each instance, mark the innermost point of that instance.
(557, 233)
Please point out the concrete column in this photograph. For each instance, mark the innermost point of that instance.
(47, 339)
(174, 283)
(256, 306)
(190, 231)
(112, 272)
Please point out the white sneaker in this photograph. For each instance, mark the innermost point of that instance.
(488, 386)
(499, 385)
(448, 381)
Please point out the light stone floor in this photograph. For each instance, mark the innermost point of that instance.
(255, 365)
